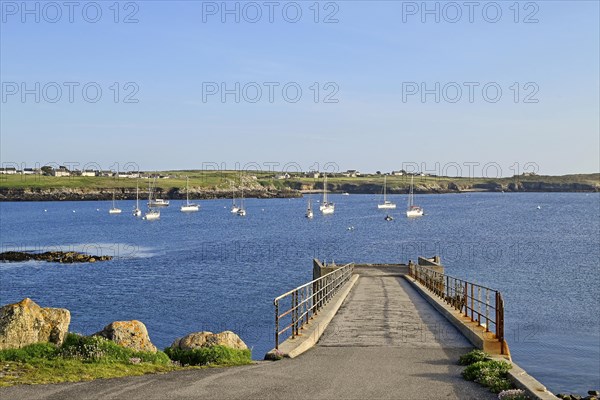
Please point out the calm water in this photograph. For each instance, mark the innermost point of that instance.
(214, 271)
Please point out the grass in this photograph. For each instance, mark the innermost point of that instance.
(492, 374)
(83, 358)
(214, 180)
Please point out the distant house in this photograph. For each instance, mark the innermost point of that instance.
(351, 173)
(61, 171)
(283, 176)
(398, 173)
(106, 173)
(8, 171)
(89, 172)
(32, 171)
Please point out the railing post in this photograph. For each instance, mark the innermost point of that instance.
(294, 302)
(466, 296)
(472, 310)
(276, 324)
(487, 310)
(307, 303)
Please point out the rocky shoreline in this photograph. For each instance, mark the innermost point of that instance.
(68, 194)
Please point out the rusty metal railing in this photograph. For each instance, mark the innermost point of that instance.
(482, 304)
(295, 308)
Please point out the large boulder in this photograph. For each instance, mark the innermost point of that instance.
(131, 334)
(207, 339)
(25, 323)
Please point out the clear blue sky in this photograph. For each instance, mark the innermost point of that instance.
(370, 55)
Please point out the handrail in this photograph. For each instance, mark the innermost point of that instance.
(304, 302)
(465, 297)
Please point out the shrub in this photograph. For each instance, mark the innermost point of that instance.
(99, 349)
(31, 352)
(473, 357)
(513, 394)
(490, 373)
(215, 355)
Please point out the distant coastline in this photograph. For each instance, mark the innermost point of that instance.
(226, 184)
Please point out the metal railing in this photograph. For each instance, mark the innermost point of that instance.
(482, 304)
(295, 308)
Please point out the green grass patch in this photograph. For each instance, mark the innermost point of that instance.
(80, 358)
(215, 355)
(84, 358)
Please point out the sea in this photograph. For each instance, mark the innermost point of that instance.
(214, 271)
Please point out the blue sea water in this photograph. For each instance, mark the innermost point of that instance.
(213, 270)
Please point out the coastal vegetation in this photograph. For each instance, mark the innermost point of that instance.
(79, 358)
(83, 358)
(214, 355)
(36, 347)
(481, 368)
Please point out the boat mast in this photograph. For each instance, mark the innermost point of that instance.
(187, 190)
(325, 190)
(410, 193)
(384, 188)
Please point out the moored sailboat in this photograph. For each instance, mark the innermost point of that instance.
(326, 207)
(309, 212)
(413, 210)
(234, 207)
(386, 203)
(114, 209)
(151, 214)
(241, 210)
(188, 207)
(136, 211)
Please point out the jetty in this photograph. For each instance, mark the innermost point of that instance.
(356, 331)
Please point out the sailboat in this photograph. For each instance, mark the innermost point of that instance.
(114, 209)
(241, 210)
(309, 211)
(151, 214)
(326, 207)
(386, 203)
(413, 210)
(136, 211)
(234, 207)
(188, 207)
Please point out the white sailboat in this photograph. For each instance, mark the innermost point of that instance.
(188, 207)
(114, 209)
(241, 210)
(309, 211)
(386, 203)
(151, 214)
(234, 207)
(136, 211)
(413, 210)
(326, 207)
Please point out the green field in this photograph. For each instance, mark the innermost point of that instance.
(224, 180)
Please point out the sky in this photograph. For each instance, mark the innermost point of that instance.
(486, 89)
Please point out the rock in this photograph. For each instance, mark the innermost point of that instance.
(51, 256)
(207, 339)
(593, 393)
(130, 334)
(25, 323)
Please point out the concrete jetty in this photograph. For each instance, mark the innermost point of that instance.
(379, 337)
